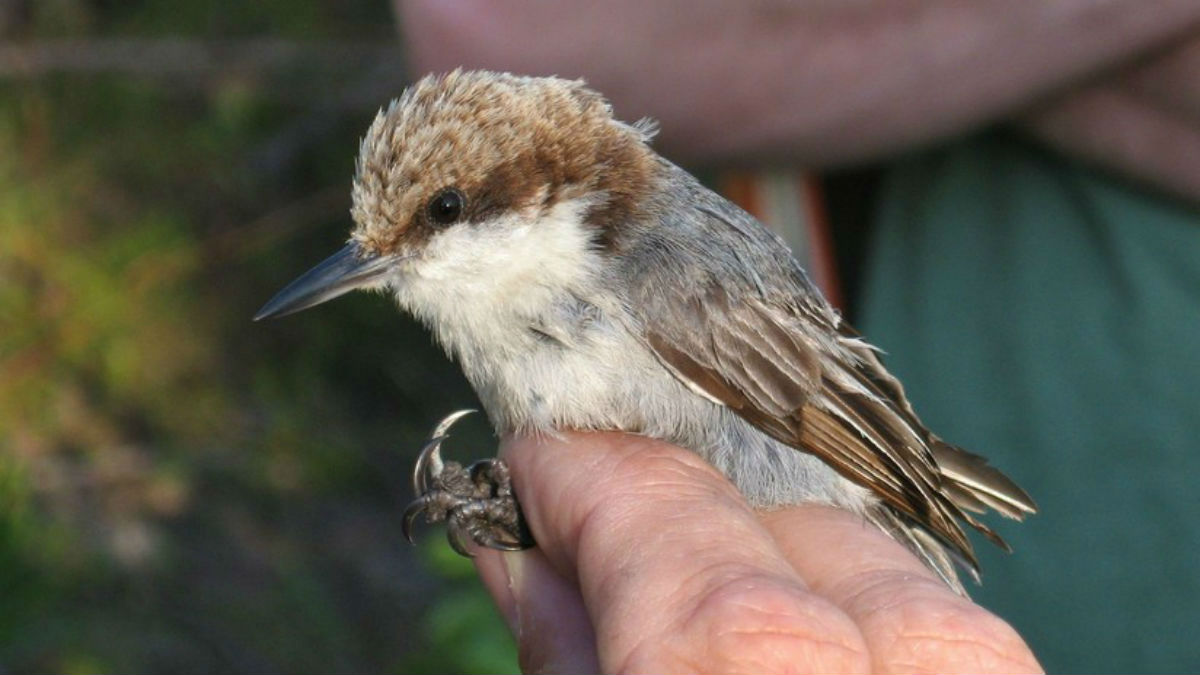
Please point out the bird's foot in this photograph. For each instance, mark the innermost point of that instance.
(477, 502)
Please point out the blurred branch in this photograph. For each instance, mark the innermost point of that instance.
(183, 57)
(329, 78)
(14, 14)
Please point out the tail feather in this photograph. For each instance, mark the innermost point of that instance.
(971, 474)
(942, 559)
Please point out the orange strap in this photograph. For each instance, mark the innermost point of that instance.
(790, 203)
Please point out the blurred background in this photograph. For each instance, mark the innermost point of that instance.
(182, 490)
(1012, 213)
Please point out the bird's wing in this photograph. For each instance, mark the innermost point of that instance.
(787, 364)
(765, 368)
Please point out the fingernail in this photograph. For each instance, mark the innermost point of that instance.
(516, 569)
(554, 633)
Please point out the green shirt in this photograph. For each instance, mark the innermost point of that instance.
(1047, 316)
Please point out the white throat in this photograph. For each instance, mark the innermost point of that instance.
(483, 284)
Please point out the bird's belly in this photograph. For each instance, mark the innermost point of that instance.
(605, 384)
(620, 385)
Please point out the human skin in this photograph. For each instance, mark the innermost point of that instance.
(1142, 121)
(649, 560)
(823, 83)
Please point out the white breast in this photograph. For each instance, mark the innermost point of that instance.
(504, 297)
(520, 305)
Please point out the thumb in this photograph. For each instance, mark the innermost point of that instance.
(544, 611)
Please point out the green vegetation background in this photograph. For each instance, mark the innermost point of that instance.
(182, 490)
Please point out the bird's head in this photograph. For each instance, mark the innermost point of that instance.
(477, 178)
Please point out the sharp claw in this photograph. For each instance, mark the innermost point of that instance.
(505, 545)
(429, 460)
(416, 508)
(454, 536)
(449, 420)
(429, 464)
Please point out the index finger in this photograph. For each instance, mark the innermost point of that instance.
(910, 619)
(676, 571)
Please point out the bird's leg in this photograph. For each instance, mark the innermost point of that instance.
(477, 501)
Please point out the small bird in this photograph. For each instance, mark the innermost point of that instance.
(582, 281)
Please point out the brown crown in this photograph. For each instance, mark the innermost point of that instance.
(509, 143)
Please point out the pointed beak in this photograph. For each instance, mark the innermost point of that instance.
(340, 273)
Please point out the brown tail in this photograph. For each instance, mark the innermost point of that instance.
(976, 485)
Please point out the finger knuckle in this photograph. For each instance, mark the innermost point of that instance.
(765, 626)
(953, 634)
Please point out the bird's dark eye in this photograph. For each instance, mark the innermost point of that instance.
(446, 207)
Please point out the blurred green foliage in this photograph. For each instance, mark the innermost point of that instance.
(181, 489)
(462, 616)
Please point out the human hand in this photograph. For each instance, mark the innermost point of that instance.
(1141, 121)
(817, 83)
(649, 560)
